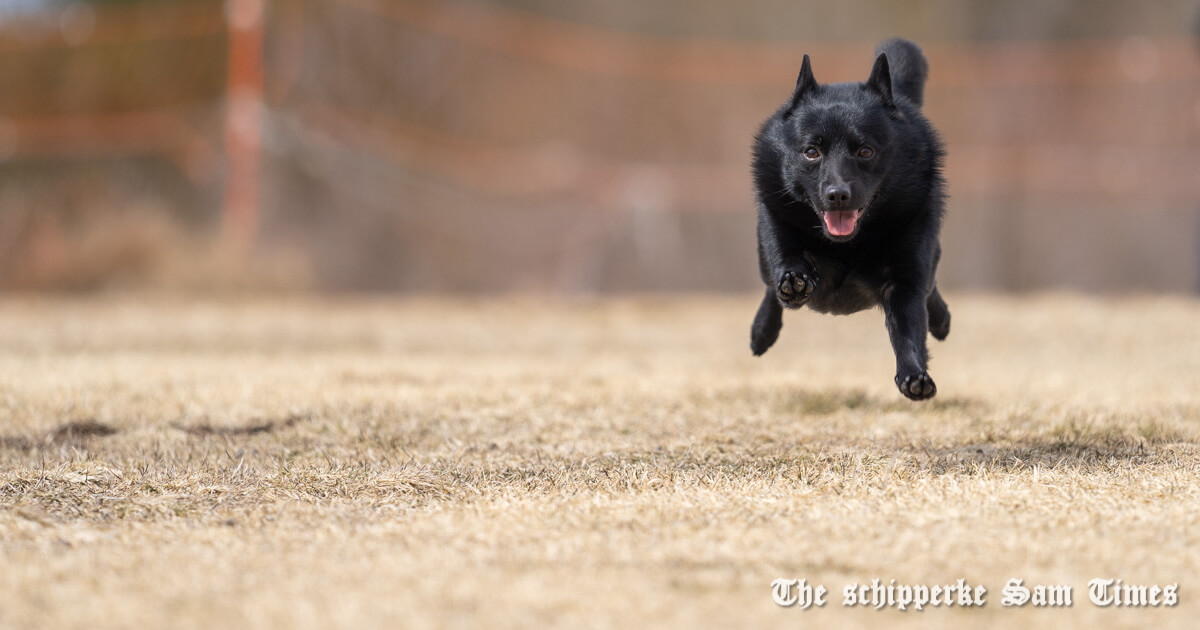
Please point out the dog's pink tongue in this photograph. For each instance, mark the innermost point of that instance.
(841, 223)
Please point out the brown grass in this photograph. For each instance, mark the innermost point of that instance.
(526, 463)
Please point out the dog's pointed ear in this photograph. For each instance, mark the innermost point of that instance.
(804, 84)
(880, 81)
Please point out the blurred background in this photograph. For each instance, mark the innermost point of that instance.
(576, 146)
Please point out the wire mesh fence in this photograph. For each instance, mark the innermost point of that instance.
(573, 146)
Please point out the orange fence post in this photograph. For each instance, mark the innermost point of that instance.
(243, 121)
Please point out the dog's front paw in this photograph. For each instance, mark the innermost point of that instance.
(916, 386)
(795, 287)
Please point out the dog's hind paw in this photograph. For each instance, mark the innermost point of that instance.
(917, 386)
(940, 328)
(939, 317)
(795, 287)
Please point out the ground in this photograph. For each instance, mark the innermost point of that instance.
(530, 462)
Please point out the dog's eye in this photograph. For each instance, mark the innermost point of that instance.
(866, 153)
(812, 153)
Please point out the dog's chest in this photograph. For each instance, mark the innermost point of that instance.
(843, 290)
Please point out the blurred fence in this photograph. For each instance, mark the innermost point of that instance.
(476, 146)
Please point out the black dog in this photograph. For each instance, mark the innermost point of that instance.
(850, 201)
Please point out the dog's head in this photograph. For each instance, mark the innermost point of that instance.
(838, 144)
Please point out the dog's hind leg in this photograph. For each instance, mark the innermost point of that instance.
(939, 315)
(907, 321)
(767, 323)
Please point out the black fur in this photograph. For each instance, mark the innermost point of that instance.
(864, 150)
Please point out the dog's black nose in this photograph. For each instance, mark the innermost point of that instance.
(837, 195)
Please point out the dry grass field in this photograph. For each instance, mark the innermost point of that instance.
(528, 463)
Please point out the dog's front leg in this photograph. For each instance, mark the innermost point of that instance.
(789, 277)
(907, 322)
(784, 266)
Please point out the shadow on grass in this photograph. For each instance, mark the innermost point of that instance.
(1077, 440)
(81, 433)
(75, 433)
(1007, 440)
(829, 401)
(975, 458)
(1051, 453)
(253, 427)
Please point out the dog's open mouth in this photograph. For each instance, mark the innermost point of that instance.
(841, 222)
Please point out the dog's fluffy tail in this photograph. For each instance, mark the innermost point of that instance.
(908, 68)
